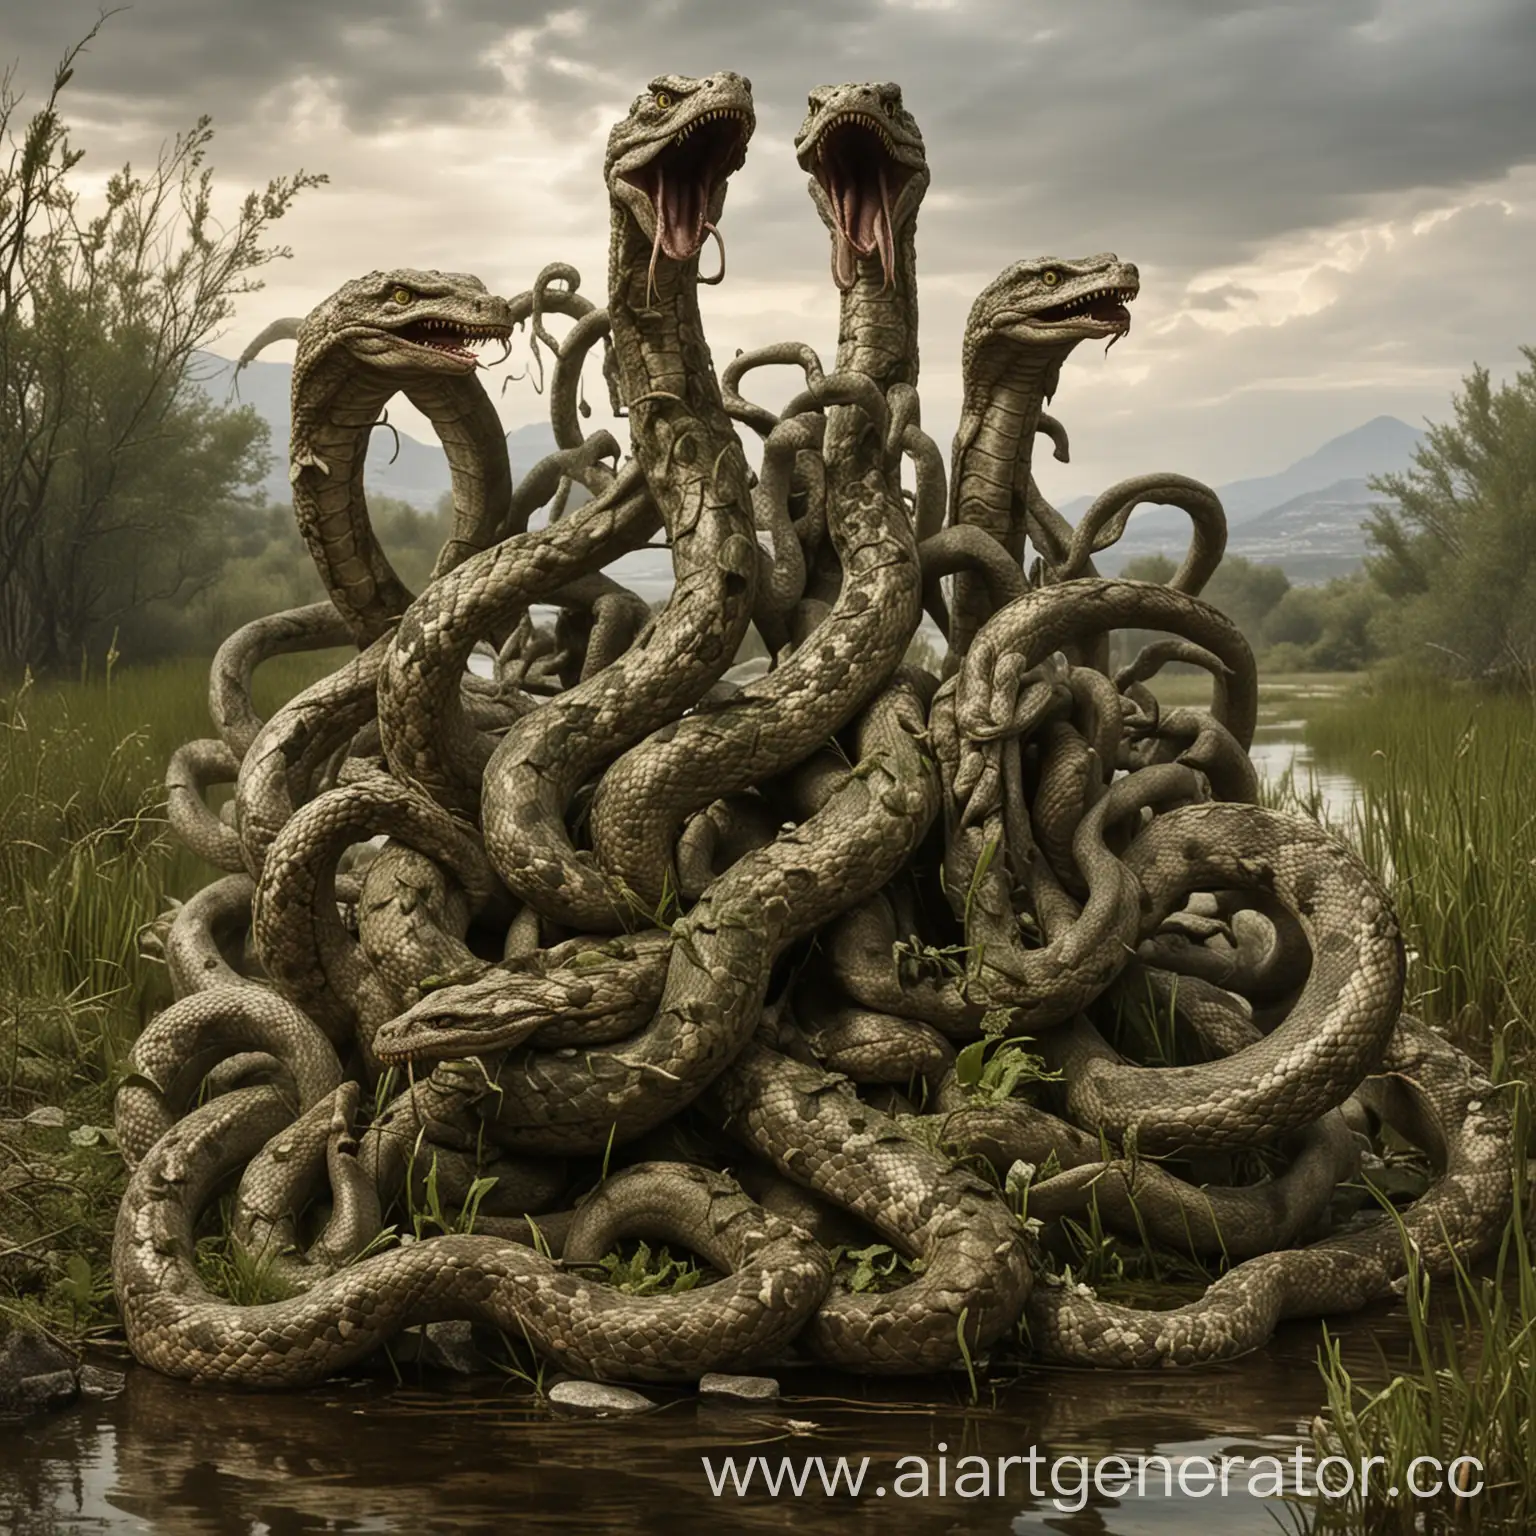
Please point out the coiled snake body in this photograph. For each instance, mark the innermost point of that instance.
(888, 941)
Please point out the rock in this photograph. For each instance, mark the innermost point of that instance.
(446, 1346)
(741, 1389)
(34, 1372)
(99, 1383)
(597, 1399)
(52, 1389)
(48, 1116)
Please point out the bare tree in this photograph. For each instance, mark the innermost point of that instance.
(117, 474)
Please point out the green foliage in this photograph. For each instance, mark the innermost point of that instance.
(641, 1272)
(1456, 551)
(875, 1268)
(1445, 811)
(993, 1070)
(266, 568)
(233, 1272)
(119, 480)
(1469, 1390)
(424, 1201)
(1331, 628)
(86, 861)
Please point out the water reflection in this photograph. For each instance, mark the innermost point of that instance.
(479, 1458)
(1278, 755)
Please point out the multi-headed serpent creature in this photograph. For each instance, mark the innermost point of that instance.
(748, 965)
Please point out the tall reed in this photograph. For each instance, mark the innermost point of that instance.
(1446, 812)
(86, 860)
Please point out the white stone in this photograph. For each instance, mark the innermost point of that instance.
(746, 1389)
(597, 1399)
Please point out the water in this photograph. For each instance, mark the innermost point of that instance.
(1279, 749)
(485, 1457)
(1277, 752)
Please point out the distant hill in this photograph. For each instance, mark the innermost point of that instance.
(1307, 518)
(1315, 536)
(1380, 447)
(416, 472)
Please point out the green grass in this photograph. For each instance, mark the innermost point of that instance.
(1446, 812)
(86, 859)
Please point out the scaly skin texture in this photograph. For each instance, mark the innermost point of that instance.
(776, 720)
(976, 1273)
(724, 949)
(314, 627)
(301, 939)
(193, 768)
(1429, 1091)
(666, 169)
(1098, 866)
(423, 726)
(175, 1324)
(394, 331)
(1021, 329)
(1337, 1028)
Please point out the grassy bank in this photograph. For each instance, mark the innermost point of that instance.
(1447, 808)
(86, 859)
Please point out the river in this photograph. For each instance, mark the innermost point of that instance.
(484, 1456)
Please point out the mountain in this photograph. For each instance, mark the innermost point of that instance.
(1306, 517)
(1315, 536)
(414, 471)
(1380, 447)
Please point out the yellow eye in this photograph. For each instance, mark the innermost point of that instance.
(402, 295)
(663, 99)
(1050, 278)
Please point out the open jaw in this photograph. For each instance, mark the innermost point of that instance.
(451, 337)
(682, 177)
(854, 160)
(1104, 306)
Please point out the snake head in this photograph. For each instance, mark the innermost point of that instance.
(669, 159)
(1051, 299)
(868, 170)
(408, 322)
(495, 1013)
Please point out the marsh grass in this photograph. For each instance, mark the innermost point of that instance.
(1446, 811)
(1469, 1392)
(86, 860)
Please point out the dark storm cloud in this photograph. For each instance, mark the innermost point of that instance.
(1243, 154)
(1205, 127)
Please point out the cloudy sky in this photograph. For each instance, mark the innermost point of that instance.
(1332, 202)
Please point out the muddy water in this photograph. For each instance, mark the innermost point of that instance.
(486, 1457)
